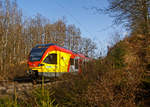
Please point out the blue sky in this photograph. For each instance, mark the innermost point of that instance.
(92, 25)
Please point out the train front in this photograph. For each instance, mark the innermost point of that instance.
(34, 61)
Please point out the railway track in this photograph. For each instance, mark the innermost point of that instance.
(20, 85)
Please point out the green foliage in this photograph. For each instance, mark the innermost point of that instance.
(117, 56)
(7, 102)
(43, 98)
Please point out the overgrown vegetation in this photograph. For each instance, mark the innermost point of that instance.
(104, 86)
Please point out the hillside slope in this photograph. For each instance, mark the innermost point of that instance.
(119, 79)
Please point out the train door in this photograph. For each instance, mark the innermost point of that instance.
(74, 64)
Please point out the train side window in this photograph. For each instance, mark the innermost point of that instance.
(51, 59)
(71, 61)
(76, 63)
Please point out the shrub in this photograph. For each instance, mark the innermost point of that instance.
(43, 98)
(116, 56)
(70, 92)
(115, 89)
(8, 102)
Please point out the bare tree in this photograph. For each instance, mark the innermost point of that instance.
(18, 34)
(73, 37)
(87, 47)
(134, 14)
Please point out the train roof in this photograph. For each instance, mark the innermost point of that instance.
(46, 46)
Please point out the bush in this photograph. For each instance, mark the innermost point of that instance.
(70, 92)
(8, 102)
(115, 89)
(116, 56)
(43, 98)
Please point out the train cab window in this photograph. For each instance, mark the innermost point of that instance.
(71, 61)
(51, 59)
(76, 63)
